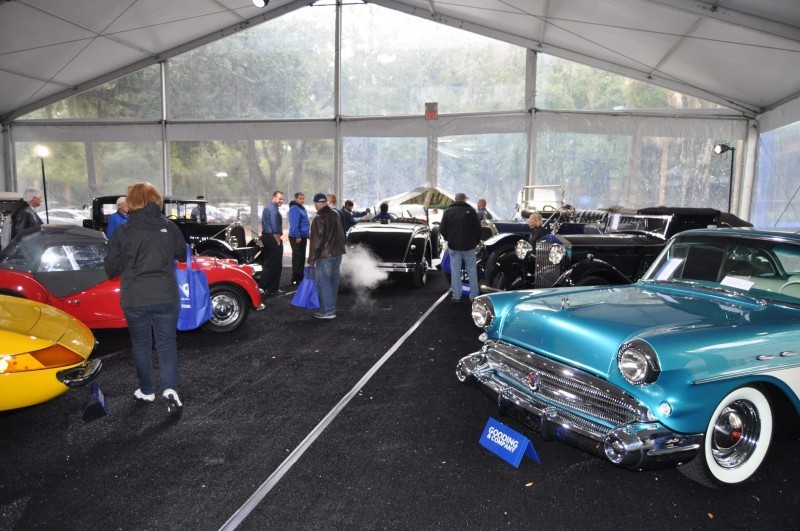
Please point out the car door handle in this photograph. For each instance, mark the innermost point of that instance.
(74, 302)
(788, 354)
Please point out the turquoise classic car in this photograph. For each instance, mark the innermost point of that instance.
(692, 366)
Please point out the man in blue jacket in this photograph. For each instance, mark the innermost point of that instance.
(298, 235)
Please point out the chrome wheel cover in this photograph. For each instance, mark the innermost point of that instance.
(224, 308)
(736, 434)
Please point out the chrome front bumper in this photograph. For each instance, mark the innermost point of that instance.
(398, 267)
(80, 375)
(571, 406)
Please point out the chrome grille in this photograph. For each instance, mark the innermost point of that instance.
(546, 273)
(562, 386)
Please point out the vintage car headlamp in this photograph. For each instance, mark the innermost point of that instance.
(522, 249)
(638, 363)
(482, 312)
(556, 253)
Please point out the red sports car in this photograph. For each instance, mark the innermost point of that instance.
(62, 265)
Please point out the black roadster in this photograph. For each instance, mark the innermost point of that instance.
(401, 245)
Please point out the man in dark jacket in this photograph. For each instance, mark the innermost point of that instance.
(462, 230)
(325, 253)
(25, 216)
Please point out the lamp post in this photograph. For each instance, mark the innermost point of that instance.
(719, 149)
(42, 152)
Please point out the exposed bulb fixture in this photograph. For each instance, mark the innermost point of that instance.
(260, 3)
(719, 149)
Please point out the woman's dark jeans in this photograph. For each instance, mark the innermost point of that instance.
(159, 321)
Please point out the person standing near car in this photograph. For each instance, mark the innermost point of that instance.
(483, 214)
(461, 229)
(325, 253)
(538, 231)
(24, 215)
(119, 217)
(143, 251)
(350, 217)
(298, 235)
(272, 238)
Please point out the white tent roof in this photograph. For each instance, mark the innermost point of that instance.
(741, 53)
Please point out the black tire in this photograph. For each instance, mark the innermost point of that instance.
(592, 281)
(492, 264)
(499, 281)
(419, 278)
(736, 440)
(229, 308)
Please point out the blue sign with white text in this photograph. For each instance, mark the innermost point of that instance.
(506, 443)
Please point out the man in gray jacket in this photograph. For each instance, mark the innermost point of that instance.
(325, 253)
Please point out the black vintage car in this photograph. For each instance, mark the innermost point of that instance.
(218, 240)
(401, 245)
(620, 254)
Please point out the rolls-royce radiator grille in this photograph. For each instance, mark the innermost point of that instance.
(562, 386)
(546, 272)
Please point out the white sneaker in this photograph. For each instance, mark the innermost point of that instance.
(139, 396)
(174, 404)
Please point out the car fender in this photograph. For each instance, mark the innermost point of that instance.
(214, 247)
(221, 273)
(501, 240)
(24, 286)
(591, 268)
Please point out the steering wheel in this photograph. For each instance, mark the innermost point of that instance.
(549, 208)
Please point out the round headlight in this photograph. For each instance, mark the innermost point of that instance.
(556, 253)
(522, 249)
(638, 363)
(482, 312)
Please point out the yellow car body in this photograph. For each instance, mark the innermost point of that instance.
(43, 352)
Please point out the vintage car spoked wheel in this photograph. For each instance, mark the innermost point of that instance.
(736, 440)
(512, 282)
(228, 307)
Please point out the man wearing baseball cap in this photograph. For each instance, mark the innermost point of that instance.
(462, 230)
(327, 247)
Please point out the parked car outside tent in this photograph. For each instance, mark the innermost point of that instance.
(62, 265)
(695, 365)
(43, 353)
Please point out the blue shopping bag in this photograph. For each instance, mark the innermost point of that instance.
(445, 263)
(195, 295)
(306, 296)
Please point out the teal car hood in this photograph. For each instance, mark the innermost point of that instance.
(584, 327)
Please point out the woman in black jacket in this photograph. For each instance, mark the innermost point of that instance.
(144, 251)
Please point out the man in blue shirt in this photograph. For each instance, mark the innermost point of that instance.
(483, 214)
(272, 238)
(117, 218)
(298, 235)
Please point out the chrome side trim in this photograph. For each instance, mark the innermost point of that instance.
(750, 371)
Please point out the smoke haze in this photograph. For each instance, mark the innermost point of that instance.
(359, 271)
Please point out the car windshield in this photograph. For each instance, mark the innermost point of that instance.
(621, 223)
(765, 268)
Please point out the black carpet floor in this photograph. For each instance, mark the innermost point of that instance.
(403, 453)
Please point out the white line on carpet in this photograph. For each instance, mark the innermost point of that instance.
(251, 503)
